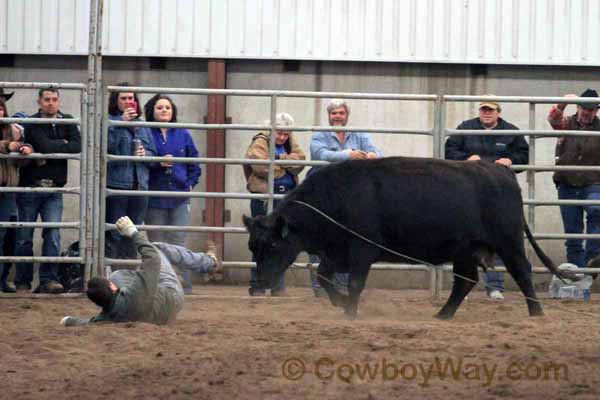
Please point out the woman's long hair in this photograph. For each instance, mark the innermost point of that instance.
(3, 125)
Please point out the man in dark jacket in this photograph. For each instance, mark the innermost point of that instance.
(578, 185)
(153, 293)
(48, 138)
(503, 150)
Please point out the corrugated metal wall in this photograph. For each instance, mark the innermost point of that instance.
(561, 32)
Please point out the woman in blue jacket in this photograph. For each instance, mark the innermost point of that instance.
(126, 175)
(167, 176)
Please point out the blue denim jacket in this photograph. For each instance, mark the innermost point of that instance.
(120, 174)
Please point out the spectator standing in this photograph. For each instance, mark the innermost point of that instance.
(11, 141)
(578, 185)
(286, 179)
(171, 177)
(339, 146)
(126, 175)
(51, 173)
(503, 150)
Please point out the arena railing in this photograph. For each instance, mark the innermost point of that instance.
(271, 162)
(82, 225)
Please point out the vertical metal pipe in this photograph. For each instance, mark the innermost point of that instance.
(84, 220)
(100, 212)
(443, 119)
(271, 180)
(93, 125)
(98, 125)
(90, 130)
(531, 174)
(436, 128)
(436, 278)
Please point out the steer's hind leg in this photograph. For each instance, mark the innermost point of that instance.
(519, 268)
(466, 267)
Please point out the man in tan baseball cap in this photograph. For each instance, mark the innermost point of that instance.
(489, 104)
(503, 150)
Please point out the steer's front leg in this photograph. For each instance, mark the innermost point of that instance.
(355, 288)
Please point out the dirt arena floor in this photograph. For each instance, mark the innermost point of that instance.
(226, 345)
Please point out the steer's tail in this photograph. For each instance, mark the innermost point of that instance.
(560, 273)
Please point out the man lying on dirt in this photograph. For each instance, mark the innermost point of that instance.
(152, 293)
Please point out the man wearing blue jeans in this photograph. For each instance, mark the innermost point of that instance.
(152, 293)
(334, 147)
(45, 139)
(578, 185)
(504, 150)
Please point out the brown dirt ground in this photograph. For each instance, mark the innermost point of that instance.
(225, 345)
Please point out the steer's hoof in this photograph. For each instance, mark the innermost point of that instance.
(536, 313)
(444, 316)
(350, 315)
(339, 300)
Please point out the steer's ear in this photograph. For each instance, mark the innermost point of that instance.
(282, 227)
(248, 222)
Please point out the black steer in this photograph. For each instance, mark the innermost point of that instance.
(432, 210)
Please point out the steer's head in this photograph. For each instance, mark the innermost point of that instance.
(273, 245)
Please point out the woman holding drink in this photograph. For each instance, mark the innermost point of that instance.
(126, 175)
(168, 176)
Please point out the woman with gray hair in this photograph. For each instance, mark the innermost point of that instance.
(286, 178)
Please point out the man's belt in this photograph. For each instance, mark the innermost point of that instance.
(44, 183)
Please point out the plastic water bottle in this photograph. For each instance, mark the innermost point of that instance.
(584, 288)
(558, 289)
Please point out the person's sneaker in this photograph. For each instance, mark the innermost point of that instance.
(496, 295)
(23, 287)
(51, 287)
(256, 292)
(279, 293)
(210, 249)
(7, 287)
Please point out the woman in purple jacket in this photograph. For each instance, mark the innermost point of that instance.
(167, 176)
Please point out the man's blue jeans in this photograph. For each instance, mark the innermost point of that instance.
(494, 280)
(259, 207)
(116, 207)
(340, 280)
(49, 206)
(572, 217)
(7, 205)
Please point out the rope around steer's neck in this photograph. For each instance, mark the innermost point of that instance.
(327, 217)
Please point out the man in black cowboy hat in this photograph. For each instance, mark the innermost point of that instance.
(5, 96)
(578, 185)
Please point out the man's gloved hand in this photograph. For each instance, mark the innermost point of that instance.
(126, 227)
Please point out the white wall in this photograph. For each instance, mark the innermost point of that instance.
(552, 32)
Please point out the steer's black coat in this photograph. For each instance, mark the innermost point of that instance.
(429, 209)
